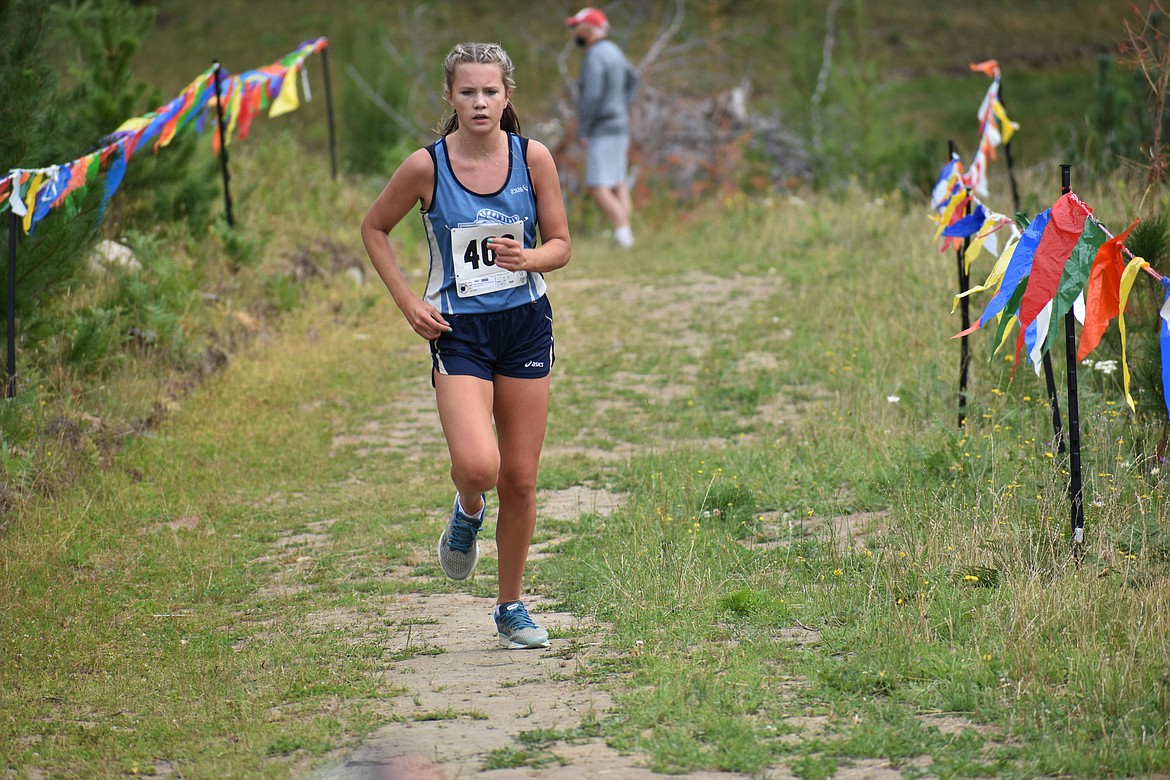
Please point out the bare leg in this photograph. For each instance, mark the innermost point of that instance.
(622, 193)
(613, 205)
(521, 412)
(465, 410)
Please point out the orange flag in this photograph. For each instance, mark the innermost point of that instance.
(1102, 295)
(989, 68)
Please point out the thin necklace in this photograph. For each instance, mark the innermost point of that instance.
(486, 154)
(493, 159)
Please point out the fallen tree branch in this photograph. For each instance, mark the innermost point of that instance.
(387, 109)
(823, 74)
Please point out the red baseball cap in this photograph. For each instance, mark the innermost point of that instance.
(588, 16)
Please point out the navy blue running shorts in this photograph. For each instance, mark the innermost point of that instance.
(515, 343)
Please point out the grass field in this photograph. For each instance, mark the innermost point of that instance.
(811, 568)
(822, 568)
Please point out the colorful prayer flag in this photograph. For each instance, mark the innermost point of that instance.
(1102, 303)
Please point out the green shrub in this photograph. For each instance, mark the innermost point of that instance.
(35, 135)
(93, 336)
(371, 134)
(180, 182)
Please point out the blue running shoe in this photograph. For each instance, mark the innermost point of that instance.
(517, 631)
(458, 548)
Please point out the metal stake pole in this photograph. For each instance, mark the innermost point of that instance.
(13, 232)
(1007, 153)
(223, 152)
(964, 347)
(1053, 403)
(964, 283)
(1075, 487)
(329, 112)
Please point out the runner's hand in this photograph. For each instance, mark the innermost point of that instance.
(425, 319)
(509, 254)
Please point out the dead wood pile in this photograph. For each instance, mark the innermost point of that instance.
(692, 147)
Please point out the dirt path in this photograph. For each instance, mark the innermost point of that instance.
(474, 697)
(481, 697)
(462, 704)
(456, 701)
(453, 695)
(464, 697)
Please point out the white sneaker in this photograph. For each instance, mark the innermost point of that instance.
(624, 236)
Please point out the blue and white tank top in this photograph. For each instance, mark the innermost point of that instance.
(463, 278)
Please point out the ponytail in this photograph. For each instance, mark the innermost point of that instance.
(510, 121)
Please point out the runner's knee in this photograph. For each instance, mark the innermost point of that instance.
(478, 476)
(517, 486)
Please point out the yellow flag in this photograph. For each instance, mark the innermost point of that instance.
(1127, 278)
(997, 271)
(1007, 128)
(288, 99)
(234, 109)
(948, 212)
(30, 198)
(1007, 332)
(976, 245)
(137, 123)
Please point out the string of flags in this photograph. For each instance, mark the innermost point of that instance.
(995, 128)
(32, 193)
(1063, 259)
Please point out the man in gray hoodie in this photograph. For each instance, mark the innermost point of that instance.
(606, 87)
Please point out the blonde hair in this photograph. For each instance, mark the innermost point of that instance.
(480, 54)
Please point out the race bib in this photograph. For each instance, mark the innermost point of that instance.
(475, 260)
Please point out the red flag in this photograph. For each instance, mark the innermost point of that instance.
(1102, 294)
(1060, 236)
(249, 108)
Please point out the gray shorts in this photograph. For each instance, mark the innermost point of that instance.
(605, 161)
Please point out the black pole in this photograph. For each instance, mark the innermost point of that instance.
(964, 348)
(964, 283)
(329, 112)
(1007, 153)
(223, 152)
(1053, 402)
(13, 231)
(1075, 487)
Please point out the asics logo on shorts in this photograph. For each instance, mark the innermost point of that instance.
(534, 364)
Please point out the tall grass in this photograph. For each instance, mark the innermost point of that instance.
(963, 597)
